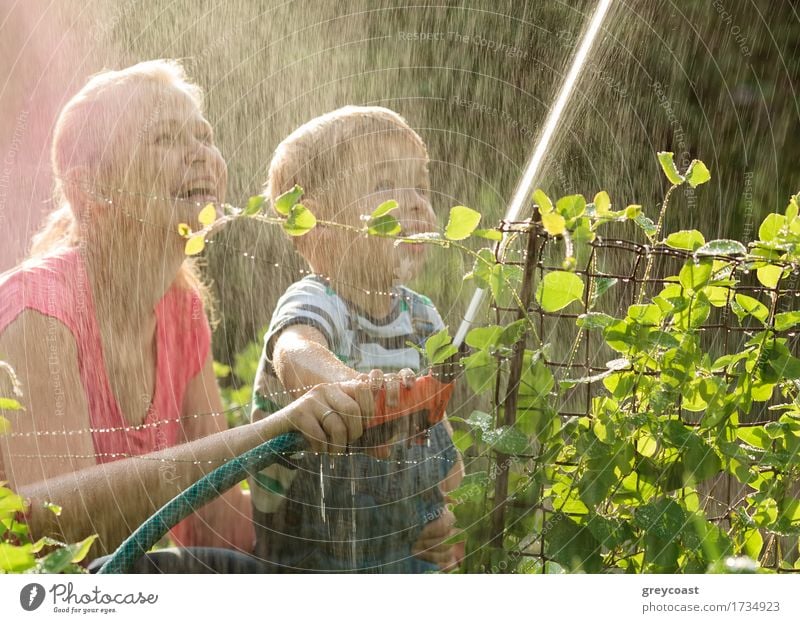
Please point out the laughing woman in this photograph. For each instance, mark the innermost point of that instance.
(106, 327)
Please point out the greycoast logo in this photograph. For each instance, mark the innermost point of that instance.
(31, 596)
(65, 599)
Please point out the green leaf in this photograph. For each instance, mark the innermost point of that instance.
(722, 247)
(537, 379)
(207, 215)
(53, 508)
(571, 545)
(769, 275)
(633, 212)
(505, 280)
(10, 404)
(384, 225)
(482, 269)
(495, 335)
(646, 224)
(571, 206)
(195, 245)
(665, 158)
(300, 221)
(439, 347)
(787, 366)
(462, 440)
(488, 234)
(480, 368)
(663, 518)
(645, 314)
(254, 205)
(695, 274)
(284, 203)
(79, 550)
(15, 559)
(558, 289)
(57, 561)
(384, 208)
(594, 320)
(543, 201)
(506, 440)
(480, 421)
(483, 337)
(184, 231)
(786, 320)
(752, 306)
(771, 227)
(601, 286)
(688, 239)
(10, 502)
(221, 371)
(700, 461)
(697, 173)
(753, 543)
(609, 531)
(602, 203)
(554, 224)
(462, 222)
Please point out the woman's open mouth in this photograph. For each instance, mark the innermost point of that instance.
(200, 193)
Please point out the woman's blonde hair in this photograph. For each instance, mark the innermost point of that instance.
(81, 139)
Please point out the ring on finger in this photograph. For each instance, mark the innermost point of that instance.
(325, 415)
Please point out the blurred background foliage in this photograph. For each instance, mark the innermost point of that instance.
(716, 80)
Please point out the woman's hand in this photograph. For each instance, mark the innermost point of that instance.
(331, 416)
(431, 544)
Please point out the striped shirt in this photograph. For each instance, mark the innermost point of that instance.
(389, 504)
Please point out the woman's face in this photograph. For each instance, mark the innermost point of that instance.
(174, 169)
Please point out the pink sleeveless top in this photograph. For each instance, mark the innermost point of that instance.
(57, 286)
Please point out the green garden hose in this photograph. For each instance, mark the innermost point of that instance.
(200, 493)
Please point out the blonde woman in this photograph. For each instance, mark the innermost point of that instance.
(106, 328)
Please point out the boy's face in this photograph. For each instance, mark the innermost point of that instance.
(393, 166)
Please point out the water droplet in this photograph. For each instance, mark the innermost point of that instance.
(321, 492)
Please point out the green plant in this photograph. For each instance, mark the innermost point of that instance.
(621, 486)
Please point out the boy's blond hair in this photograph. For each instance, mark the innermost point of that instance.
(313, 154)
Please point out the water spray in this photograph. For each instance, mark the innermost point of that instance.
(523, 190)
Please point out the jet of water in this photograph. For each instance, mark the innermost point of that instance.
(532, 169)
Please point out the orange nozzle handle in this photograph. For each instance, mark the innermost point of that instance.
(427, 395)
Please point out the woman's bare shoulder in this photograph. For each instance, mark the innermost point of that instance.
(33, 337)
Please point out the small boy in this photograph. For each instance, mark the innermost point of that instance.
(351, 317)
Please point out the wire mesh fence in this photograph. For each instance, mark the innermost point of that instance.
(619, 274)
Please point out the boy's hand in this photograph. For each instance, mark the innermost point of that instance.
(372, 383)
(431, 544)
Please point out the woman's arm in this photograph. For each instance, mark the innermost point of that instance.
(112, 499)
(227, 520)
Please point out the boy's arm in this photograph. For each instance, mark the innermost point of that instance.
(302, 358)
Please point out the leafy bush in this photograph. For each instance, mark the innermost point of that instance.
(623, 485)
